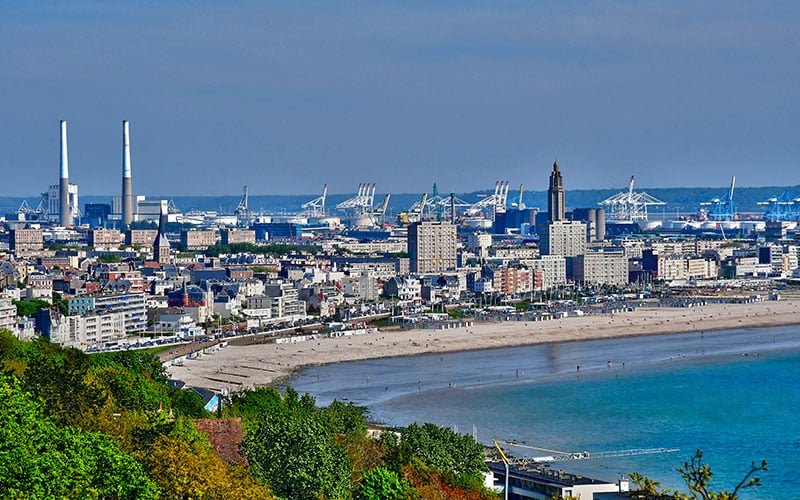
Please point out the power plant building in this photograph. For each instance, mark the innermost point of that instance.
(54, 204)
(432, 247)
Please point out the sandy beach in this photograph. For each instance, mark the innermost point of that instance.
(246, 366)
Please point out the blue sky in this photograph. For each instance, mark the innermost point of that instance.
(287, 96)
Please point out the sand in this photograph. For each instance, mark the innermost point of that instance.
(236, 367)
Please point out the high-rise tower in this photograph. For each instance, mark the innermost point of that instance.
(555, 195)
(127, 189)
(64, 216)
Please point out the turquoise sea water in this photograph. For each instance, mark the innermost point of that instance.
(733, 394)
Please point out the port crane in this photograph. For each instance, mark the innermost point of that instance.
(243, 214)
(493, 203)
(316, 207)
(362, 206)
(560, 456)
(782, 208)
(723, 208)
(629, 206)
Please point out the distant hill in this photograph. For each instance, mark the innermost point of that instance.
(678, 199)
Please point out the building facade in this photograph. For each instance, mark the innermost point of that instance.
(25, 240)
(563, 237)
(432, 247)
(200, 239)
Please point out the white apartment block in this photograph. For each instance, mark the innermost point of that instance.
(432, 247)
(552, 268)
(563, 237)
(8, 314)
(601, 268)
(131, 306)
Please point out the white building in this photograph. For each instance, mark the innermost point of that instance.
(8, 314)
(551, 271)
(604, 267)
(131, 305)
(432, 247)
(563, 237)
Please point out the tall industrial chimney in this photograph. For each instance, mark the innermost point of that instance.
(64, 216)
(127, 190)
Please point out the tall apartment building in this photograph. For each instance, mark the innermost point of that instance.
(199, 239)
(284, 300)
(432, 247)
(563, 237)
(601, 268)
(22, 240)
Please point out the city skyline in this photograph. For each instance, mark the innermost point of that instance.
(286, 97)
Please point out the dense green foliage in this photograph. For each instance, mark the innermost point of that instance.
(382, 484)
(309, 452)
(275, 249)
(39, 459)
(30, 307)
(109, 258)
(109, 426)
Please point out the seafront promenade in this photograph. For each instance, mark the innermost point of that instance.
(245, 366)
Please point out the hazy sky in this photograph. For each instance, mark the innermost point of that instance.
(286, 96)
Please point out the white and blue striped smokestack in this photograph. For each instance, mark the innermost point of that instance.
(64, 216)
(127, 189)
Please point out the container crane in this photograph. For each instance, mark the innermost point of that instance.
(316, 207)
(723, 208)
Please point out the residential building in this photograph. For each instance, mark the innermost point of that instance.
(432, 247)
(537, 481)
(563, 237)
(141, 237)
(231, 236)
(105, 238)
(285, 300)
(603, 267)
(8, 314)
(403, 288)
(130, 305)
(25, 240)
(195, 239)
(551, 270)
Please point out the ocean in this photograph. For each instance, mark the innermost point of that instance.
(734, 394)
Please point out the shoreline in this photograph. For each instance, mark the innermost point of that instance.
(237, 367)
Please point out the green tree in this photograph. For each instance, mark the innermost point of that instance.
(30, 307)
(193, 470)
(293, 451)
(448, 452)
(382, 484)
(38, 459)
(344, 419)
